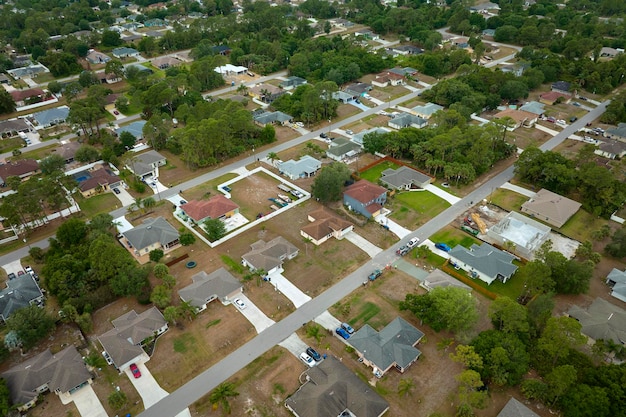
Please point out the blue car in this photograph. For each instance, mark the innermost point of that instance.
(341, 332)
(347, 328)
(443, 247)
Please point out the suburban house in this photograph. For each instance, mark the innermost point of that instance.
(153, 23)
(146, 165)
(617, 281)
(484, 262)
(216, 207)
(365, 198)
(28, 71)
(20, 292)
(405, 178)
(305, 167)
(62, 373)
(485, 8)
(342, 23)
(219, 284)
(134, 128)
(550, 207)
(561, 87)
(490, 33)
(139, 68)
(22, 168)
(342, 149)
(405, 72)
(123, 344)
(97, 179)
(358, 137)
(324, 225)
(153, 233)
(516, 69)
(427, 110)
(67, 151)
(387, 78)
(166, 62)
(607, 52)
(221, 50)
(519, 118)
(96, 57)
(438, 278)
(10, 128)
(393, 346)
(358, 89)
(266, 92)
(612, 149)
(125, 52)
(51, 117)
(404, 120)
(229, 69)
(514, 408)
(618, 132)
(367, 34)
(29, 96)
(519, 234)
(292, 82)
(551, 97)
(269, 256)
(533, 107)
(407, 50)
(601, 321)
(263, 118)
(331, 389)
(342, 97)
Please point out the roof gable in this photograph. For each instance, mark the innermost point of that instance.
(205, 286)
(213, 208)
(19, 293)
(486, 259)
(403, 176)
(514, 408)
(269, 255)
(364, 191)
(151, 231)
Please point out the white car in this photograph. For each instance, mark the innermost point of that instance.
(239, 303)
(349, 132)
(304, 357)
(299, 124)
(413, 242)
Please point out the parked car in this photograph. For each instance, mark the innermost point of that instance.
(307, 360)
(107, 357)
(20, 273)
(12, 276)
(347, 328)
(551, 119)
(413, 242)
(116, 190)
(28, 269)
(115, 112)
(576, 104)
(239, 303)
(182, 202)
(299, 124)
(573, 119)
(313, 353)
(349, 132)
(341, 332)
(402, 250)
(323, 135)
(442, 246)
(136, 372)
(582, 98)
(375, 274)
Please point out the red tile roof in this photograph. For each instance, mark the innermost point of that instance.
(553, 96)
(21, 95)
(364, 191)
(215, 207)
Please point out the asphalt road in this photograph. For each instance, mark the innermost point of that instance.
(237, 360)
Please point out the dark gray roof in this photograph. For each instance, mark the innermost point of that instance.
(19, 293)
(393, 344)
(13, 125)
(341, 147)
(134, 128)
(142, 163)
(620, 130)
(486, 259)
(205, 287)
(331, 389)
(403, 176)
(151, 231)
(269, 255)
(406, 120)
(601, 320)
(271, 117)
(515, 408)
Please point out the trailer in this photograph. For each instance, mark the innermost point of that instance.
(284, 198)
(284, 188)
(469, 230)
(277, 202)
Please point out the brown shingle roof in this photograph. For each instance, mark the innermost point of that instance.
(99, 177)
(325, 222)
(20, 95)
(215, 207)
(18, 168)
(364, 191)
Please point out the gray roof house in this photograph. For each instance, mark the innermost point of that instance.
(562, 87)
(405, 178)
(97, 57)
(269, 256)
(266, 117)
(438, 278)
(146, 164)
(305, 167)
(125, 52)
(393, 346)
(515, 408)
(534, 107)
(618, 132)
(341, 149)
(153, 233)
(612, 149)
(407, 120)
(342, 96)
(62, 373)
(292, 82)
(358, 137)
(123, 343)
(51, 117)
(427, 110)
(550, 207)
(358, 89)
(601, 321)
(11, 127)
(617, 281)
(134, 128)
(331, 389)
(19, 293)
(484, 262)
(218, 284)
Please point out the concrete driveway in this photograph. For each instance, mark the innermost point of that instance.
(289, 290)
(258, 319)
(124, 196)
(14, 267)
(159, 188)
(87, 402)
(452, 199)
(364, 244)
(149, 390)
(176, 199)
(327, 321)
(122, 224)
(394, 227)
(294, 344)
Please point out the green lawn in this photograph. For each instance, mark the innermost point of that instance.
(422, 202)
(102, 203)
(512, 289)
(373, 174)
(366, 312)
(581, 225)
(507, 199)
(453, 237)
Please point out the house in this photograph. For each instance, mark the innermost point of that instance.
(125, 52)
(10, 128)
(393, 346)
(221, 50)
(617, 281)
(550, 207)
(561, 87)
(404, 120)
(367, 34)
(269, 256)
(29, 71)
(519, 117)
(519, 234)
(134, 128)
(29, 96)
(292, 82)
(612, 149)
(407, 50)
(219, 284)
(484, 262)
(426, 111)
(23, 168)
(105, 78)
(51, 117)
(153, 233)
(305, 167)
(216, 207)
(96, 180)
(607, 52)
(154, 34)
(342, 149)
(96, 57)
(618, 132)
(263, 118)
(438, 278)
(358, 89)
(342, 23)
(332, 389)
(601, 321)
(533, 107)
(514, 408)
(146, 165)
(165, 62)
(67, 151)
(484, 8)
(324, 225)
(516, 69)
(266, 92)
(365, 198)
(342, 96)
(405, 72)
(229, 69)
(62, 373)
(405, 178)
(489, 33)
(20, 292)
(153, 23)
(387, 78)
(359, 137)
(123, 344)
(551, 97)
(139, 67)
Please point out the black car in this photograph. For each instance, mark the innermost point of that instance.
(573, 119)
(313, 353)
(12, 276)
(323, 135)
(116, 190)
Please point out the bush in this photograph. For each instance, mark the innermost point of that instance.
(156, 255)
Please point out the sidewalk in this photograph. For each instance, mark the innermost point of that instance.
(518, 189)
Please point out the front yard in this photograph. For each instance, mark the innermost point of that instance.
(413, 208)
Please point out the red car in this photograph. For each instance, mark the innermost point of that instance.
(136, 372)
(115, 112)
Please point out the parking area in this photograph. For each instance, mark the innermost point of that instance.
(294, 344)
(87, 402)
(327, 321)
(13, 267)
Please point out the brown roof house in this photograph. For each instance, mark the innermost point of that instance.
(551, 97)
(405, 178)
(68, 150)
(123, 344)
(331, 389)
(601, 321)
(153, 233)
(63, 373)
(365, 198)
(216, 207)
(96, 180)
(550, 207)
(324, 225)
(386, 78)
(24, 97)
(12, 127)
(219, 284)
(519, 117)
(22, 168)
(269, 256)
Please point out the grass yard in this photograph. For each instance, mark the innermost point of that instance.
(453, 237)
(102, 203)
(414, 208)
(205, 189)
(507, 199)
(581, 225)
(374, 173)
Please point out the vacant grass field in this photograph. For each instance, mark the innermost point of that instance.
(374, 173)
(453, 237)
(102, 203)
(507, 199)
(581, 225)
(208, 188)
(414, 208)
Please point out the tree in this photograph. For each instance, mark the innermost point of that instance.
(405, 386)
(117, 400)
(539, 311)
(329, 183)
(272, 156)
(7, 105)
(87, 153)
(87, 78)
(72, 232)
(470, 392)
(505, 357)
(31, 324)
(467, 356)
(156, 255)
(560, 335)
(171, 314)
(187, 238)
(215, 229)
(221, 394)
(111, 39)
(161, 296)
(114, 67)
(617, 247)
(508, 316)
(160, 270)
(559, 381)
(5, 398)
(52, 164)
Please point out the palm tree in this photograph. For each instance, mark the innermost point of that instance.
(405, 386)
(242, 89)
(272, 156)
(148, 203)
(221, 394)
(136, 205)
(187, 310)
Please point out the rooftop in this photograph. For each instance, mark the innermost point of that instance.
(213, 208)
